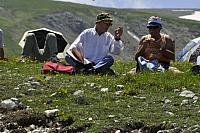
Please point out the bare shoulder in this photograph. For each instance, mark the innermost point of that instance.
(144, 38)
(167, 37)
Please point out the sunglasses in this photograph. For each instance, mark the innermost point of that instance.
(153, 27)
(108, 23)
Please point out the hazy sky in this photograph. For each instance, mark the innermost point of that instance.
(141, 3)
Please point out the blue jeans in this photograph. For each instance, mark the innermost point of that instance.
(152, 65)
(103, 64)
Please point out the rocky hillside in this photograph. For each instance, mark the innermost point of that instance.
(17, 16)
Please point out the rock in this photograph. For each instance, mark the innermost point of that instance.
(12, 125)
(170, 113)
(35, 83)
(78, 92)
(139, 97)
(104, 89)
(51, 113)
(174, 130)
(28, 84)
(118, 131)
(31, 79)
(111, 116)
(187, 93)
(92, 84)
(119, 87)
(116, 121)
(176, 90)
(32, 127)
(37, 131)
(14, 99)
(118, 92)
(166, 101)
(48, 78)
(1, 116)
(194, 129)
(55, 93)
(185, 102)
(17, 88)
(135, 131)
(195, 98)
(81, 99)
(175, 70)
(8, 104)
(31, 89)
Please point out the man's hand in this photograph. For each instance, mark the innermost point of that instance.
(118, 32)
(157, 56)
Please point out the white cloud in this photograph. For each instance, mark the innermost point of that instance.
(112, 3)
(88, 2)
(140, 3)
(122, 3)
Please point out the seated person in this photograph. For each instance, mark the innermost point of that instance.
(1, 46)
(91, 48)
(190, 52)
(155, 50)
(42, 44)
(195, 55)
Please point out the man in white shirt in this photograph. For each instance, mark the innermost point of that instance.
(91, 48)
(1, 45)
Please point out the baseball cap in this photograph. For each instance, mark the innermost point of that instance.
(103, 17)
(154, 21)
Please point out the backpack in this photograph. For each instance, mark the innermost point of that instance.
(52, 67)
(195, 69)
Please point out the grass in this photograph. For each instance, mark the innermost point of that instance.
(103, 109)
(142, 98)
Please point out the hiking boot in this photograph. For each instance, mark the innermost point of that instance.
(88, 66)
(107, 71)
(54, 59)
(89, 71)
(195, 70)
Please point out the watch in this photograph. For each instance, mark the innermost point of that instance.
(117, 39)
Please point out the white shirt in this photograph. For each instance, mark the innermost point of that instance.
(1, 38)
(95, 47)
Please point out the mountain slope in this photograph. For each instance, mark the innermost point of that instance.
(17, 16)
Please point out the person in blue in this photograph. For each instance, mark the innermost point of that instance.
(90, 51)
(1, 46)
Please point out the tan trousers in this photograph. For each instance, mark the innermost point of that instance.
(32, 50)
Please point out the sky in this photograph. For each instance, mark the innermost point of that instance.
(140, 3)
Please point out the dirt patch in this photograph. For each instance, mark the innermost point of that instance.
(21, 120)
